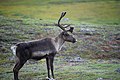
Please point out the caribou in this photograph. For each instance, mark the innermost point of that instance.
(39, 49)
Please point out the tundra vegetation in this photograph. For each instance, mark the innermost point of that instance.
(95, 56)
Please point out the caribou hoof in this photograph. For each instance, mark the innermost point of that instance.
(49, 78)
(52, 79)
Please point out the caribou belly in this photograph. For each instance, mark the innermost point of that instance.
(40, 53)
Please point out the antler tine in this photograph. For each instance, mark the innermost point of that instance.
(66, 26)
(62, 15)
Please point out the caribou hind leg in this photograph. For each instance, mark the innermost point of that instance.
(17, 67)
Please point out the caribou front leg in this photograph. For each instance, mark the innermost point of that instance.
(52, 67)
(48, 67)
(49, 62)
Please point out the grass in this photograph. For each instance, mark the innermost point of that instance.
(90, 70)
(101, 12)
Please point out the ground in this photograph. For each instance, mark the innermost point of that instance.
(95, 56)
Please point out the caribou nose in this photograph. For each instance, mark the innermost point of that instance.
(74, 40)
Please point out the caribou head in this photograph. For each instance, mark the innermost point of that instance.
(66, 34)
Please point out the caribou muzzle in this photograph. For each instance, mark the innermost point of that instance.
(74, 40)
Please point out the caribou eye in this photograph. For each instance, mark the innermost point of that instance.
(66, 34)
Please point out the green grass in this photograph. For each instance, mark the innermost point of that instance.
(89, 11)
(90, 70)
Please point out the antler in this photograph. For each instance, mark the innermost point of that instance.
(63, 28)
(62, 15)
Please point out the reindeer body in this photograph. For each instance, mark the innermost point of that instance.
(38, 49)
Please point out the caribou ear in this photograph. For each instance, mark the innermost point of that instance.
(71, 29)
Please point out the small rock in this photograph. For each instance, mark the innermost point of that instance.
(118, 70)
(103, 78)
(99, 78)
(100, 60)
(77, 59)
